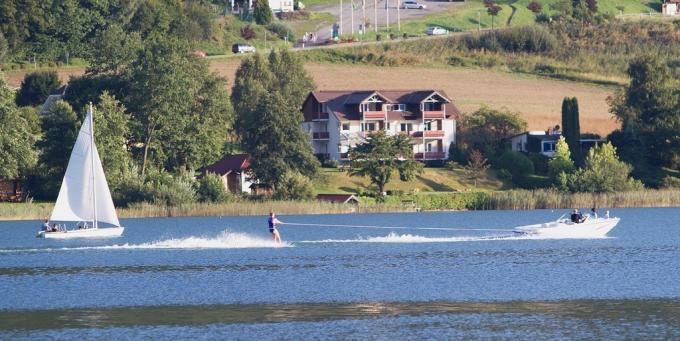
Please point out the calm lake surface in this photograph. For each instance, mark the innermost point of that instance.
(223, 277)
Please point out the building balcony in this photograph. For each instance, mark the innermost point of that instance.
(320, 116)
(434, 114)
(430, 156)
(374, 115)
(437, 134)
(320, 135)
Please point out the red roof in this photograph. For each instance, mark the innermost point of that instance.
(232, 163)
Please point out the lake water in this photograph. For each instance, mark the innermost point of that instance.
(223, 277)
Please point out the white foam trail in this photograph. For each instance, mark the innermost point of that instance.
(413, 239)
(225, 240)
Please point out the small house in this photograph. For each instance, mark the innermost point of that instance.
(670, 7)
(545, 142)
(11, 190)
(233, 170)
(338, 198)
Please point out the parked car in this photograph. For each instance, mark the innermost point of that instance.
(436, 31)
(411, 4)
(242, 48)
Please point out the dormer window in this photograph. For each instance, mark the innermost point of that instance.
(321, 107)
(395, 107)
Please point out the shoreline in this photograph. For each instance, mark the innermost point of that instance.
(422, 202)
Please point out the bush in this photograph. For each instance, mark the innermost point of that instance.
(281, 30)
(533, 181)
(248, 33)
(294, 186)
(540, 162)
(530, 39)
(330, 163)
(458, 153)
(36, 87)
(518, 164)
(504, 174)
(671, 182)
(211, 189)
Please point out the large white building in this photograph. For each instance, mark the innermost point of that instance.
(339, 120)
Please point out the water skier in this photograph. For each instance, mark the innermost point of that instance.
(272, 221)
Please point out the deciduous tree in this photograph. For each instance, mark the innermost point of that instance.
(603, 172)
(477, 166)
(561, 161)
(262, 13)
(382, 155)
(36, 87)
(488, 129)
(17, 154)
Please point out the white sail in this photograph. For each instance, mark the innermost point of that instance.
(84, 193)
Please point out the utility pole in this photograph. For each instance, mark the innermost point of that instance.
(351, 7)
(363, 11)
(375, 15)
(387, 14)
(340, 31)
(398, 17)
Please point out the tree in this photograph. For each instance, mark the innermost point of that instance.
(3, 49)
(114, 50)
(571, 129)
(275, 145)
(493, 11)
(380, 156)
(112, 136)
(535, 7)
(488, 129)
(647, 110)
(17, 154)
(561, 161)
(180, 109)
(36, 87)
(261, 12)
(294, 186)
(60, 129)
(211, 189)
(603, 172)
(267, 97)
(477, 166)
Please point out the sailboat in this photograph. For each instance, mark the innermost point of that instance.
(84, 196)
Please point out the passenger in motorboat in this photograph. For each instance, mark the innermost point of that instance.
(593, 213)
(577, 217)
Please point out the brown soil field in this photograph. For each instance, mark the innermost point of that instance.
(539, 100)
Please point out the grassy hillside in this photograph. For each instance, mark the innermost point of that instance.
(432, 180)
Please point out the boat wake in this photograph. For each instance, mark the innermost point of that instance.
(413, 239)
(225, 240)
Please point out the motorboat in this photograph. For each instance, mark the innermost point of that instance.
(591, 227)
(84, 196)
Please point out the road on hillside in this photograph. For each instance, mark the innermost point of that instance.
(386, 14)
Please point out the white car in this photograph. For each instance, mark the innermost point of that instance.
(410, 4)
(436, 31)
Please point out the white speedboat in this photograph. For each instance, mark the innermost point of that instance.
(84, 196)
(565, 228)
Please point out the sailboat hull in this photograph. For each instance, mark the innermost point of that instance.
(108, 232)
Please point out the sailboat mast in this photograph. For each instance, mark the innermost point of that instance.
(94, 183)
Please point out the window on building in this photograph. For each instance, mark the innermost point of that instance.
(548, 146)
(406, 127)
(345, 126)
(368, 126)
(428, 126)
(428, 147)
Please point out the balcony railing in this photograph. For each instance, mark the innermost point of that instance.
(320, 116)
(434, 114)
(429, 133)
(430, 156)
(321, 135)
(374, 115)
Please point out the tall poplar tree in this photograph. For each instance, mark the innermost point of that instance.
(571, 129)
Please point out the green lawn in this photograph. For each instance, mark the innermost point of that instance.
(432, 180)
(473, 14)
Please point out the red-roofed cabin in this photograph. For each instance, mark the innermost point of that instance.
(338, 198)
(233, 170)
(11, 190)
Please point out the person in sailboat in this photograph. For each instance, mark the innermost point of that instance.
(46, 225)
(272, 222)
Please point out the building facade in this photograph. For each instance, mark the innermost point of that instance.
(233, 170)
(339, 120)
(545, 142)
